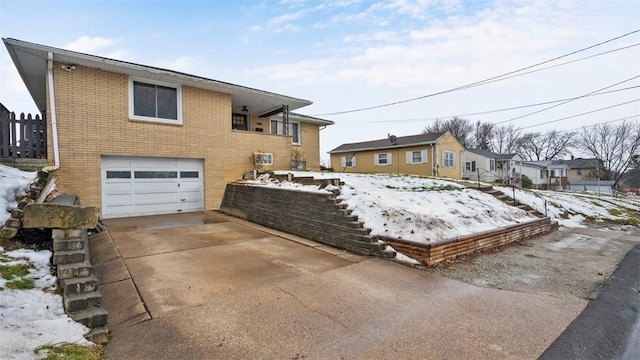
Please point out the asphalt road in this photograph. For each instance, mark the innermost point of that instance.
(609, 326)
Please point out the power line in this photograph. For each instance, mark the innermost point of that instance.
(602, 123)
(567, 101)
(561, 64)
(499, 110)
(584, 113)
(477, 83)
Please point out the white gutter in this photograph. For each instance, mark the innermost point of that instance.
(54, 123)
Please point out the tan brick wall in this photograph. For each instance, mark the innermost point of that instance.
(92, 117)
(365, 160)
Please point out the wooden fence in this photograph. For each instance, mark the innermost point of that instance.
(24, 137)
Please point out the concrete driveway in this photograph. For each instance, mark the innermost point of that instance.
(208, 286)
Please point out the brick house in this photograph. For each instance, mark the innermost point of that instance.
(138, 140)
(433, 154)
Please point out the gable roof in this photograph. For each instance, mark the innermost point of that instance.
(402, 141)
(549, 164)
(31, 61)
(491, 154)
(581, 163)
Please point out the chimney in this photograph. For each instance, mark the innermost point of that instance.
(571, 157)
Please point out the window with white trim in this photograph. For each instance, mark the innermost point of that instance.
(277, 128)
(155, 102)
(470, 166)
(348, 161)
(416, 157)
(448, 159)
(382, 159)
(492, 164)
(263, 159)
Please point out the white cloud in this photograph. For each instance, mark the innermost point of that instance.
(88, 44)
(184, 64)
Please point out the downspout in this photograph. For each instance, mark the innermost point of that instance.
(54, 123)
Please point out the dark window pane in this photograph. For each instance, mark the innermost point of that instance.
(167, 103)
(156, 174)
(144, 99)
(295, 133)
(239, 122)
(188, 174)
(118, 174)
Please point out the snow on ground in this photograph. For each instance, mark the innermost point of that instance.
(572, 209)
(13, 182)
(33, 317)
(418, 209)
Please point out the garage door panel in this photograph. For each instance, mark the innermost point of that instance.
(119, 209)
(117, 188)
(154, 187)
(119, 199)
(159, 198)
(145, 186)
(190, 196)
(149, 209)
(116, 162)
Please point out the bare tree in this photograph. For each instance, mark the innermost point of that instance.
(549, 146)
(482, 134)
(505, 139)
(616, 146)
(461, 129)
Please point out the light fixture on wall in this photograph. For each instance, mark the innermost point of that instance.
(244, 108)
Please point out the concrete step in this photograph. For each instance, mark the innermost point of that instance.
(82, 301)
(91, 318)
(69, 257)
(78, 285)
(81, 269)
(99, 335)
(69, 244)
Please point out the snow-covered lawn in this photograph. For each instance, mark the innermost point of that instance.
(418, 209)
(31, 317)
(572, 209)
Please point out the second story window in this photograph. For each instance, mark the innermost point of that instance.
(277, 128)
(239, 122)
(155, 102)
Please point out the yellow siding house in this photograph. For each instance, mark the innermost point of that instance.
(433, 154)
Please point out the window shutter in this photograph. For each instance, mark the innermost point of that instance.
(409, 157)
(424, 156)
(473, 166)
(353, 161)
(375, 159)
(389, 159)
(343, 161)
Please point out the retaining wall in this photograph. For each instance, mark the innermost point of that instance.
(434, 253)
(313, 215)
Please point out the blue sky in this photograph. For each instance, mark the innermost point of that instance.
(350, 54)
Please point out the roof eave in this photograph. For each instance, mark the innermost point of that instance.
(242, 94)
(380, 147)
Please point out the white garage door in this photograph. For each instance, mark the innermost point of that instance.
(134, 186)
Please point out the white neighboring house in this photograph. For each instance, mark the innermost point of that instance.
(546, 174)
(485, 165)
